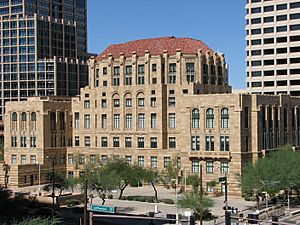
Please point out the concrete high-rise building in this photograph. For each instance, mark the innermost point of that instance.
(273, 46)
(43, 48)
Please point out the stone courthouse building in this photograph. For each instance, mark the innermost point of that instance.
(150, 102)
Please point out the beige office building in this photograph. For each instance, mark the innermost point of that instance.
(273, 46)
(149, 102)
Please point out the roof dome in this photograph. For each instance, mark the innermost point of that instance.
(155, 46)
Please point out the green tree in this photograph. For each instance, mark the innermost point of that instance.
(39, 221)
(152, 177)
(170, 173)
(72, 182)
(103, 182)
(125, 173)
(194, 180)
(60, 185)
(199, 205)
(280, 170)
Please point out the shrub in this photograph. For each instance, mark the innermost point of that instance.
(149, 199)
(129, 198)
(73, 202)
(168, 201)
(110, 196)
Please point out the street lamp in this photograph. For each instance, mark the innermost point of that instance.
(53, 158)
(176, 198)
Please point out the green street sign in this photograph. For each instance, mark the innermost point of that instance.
(102, 208)
(222, 179)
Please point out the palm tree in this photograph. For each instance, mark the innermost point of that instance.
(6, 169)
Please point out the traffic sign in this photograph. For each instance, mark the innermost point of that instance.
(222, 179)
(102, 208)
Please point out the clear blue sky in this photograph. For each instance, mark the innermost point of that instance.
(219, 23)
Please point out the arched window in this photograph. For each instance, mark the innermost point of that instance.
(33, 116)
(14, 119)
(195, 118)
(23, 118)
(224, 118)
(33, 121)
(62, 120)
(210, 118)
(52, 121)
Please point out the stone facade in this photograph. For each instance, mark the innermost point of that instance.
(149, 115)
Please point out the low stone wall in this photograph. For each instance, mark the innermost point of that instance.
(271, 211)
(61, 200)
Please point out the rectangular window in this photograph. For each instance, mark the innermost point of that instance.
(172, 120)
(87, 122)
(153, 142)
(154, 67)
(128, 102)
(33, 141)
(167, 161)
(224, 143)
(141, 75)
(13, 159)
(172, 73)
(14, 141)
(195, 143)
(128, 142)
(209, 143)
(224, 167)
(153, 120)
(141, 102)
(104, 142)
(128, 121)
(81, 159)
(172, 142)
(70, 159)
(153, 102)
(104, 159)
(116, 103)
(104, 121)
(32, 159)
(23, 142)
(77, 142)
(153, 162)
(141, 142)
(76, 120)
(116, 142)
(116, 121)
(141, 120)
(172, 101)
(103, 103)
(128, 159)
(190, 72)
(86, 104)
(141, 161)
(195, 166)
(93, 159)
(23, 159)
(209, 167)
(87, 141)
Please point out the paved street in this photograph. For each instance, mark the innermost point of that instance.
(141, 208)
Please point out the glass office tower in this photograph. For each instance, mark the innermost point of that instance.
(43, 48)
(273, 46)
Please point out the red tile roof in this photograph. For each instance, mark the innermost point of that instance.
(155, 46)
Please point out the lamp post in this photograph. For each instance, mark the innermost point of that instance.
(53, 174)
